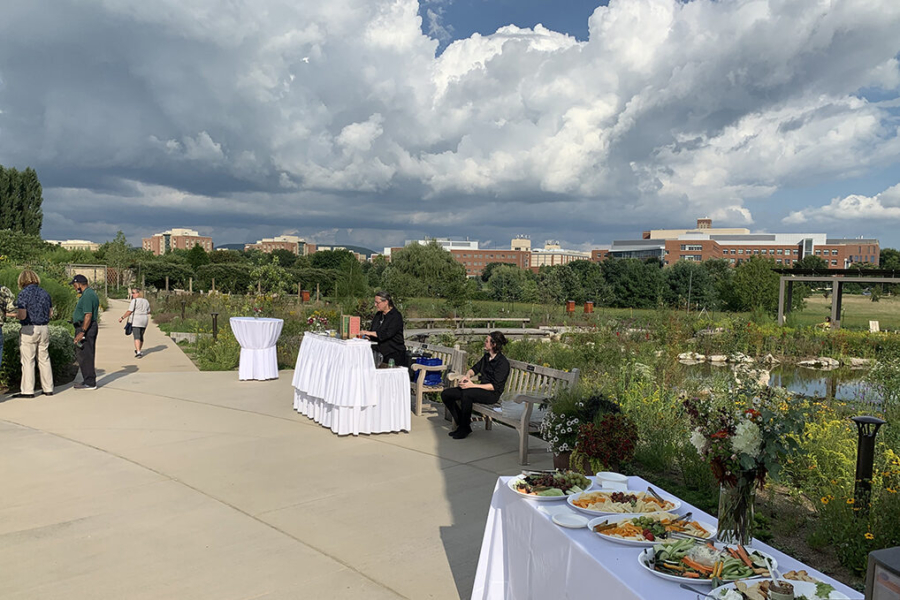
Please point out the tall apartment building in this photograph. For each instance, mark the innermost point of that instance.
(176, 239)
(738, 245)
(291, 243)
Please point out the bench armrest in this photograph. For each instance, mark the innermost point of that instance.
(531, 398)
(418, 367)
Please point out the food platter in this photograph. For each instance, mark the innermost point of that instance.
(644, 504)
(515, 482)
(701, 529)
(647, 558)
(806, 589)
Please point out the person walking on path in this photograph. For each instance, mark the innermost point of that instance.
(84, 317)
(34, 310)
(139, 311)
(7, 311)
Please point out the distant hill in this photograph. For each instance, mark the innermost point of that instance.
(359, 249)
(230, 246)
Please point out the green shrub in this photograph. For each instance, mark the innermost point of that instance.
(62, 354)
(63, 296)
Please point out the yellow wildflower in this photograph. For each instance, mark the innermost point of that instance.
(850, 500)
(824, 500)
(869, 536)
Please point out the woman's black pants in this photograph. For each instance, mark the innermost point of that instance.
(459, 402)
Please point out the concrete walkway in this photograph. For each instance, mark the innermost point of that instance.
(170, 483)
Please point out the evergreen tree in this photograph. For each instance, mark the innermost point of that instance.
(21, 197)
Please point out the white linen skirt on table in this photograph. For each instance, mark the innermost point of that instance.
(390, 411)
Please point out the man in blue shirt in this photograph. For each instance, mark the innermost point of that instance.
(34, 309)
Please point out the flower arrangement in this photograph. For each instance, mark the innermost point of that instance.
(605, 445)
(567, 413)
(744, 435)
(317, 321)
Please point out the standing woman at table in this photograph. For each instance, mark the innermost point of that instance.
(493, 369)
(387, 330)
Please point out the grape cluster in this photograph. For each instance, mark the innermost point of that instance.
(623, 498)
(563, 480)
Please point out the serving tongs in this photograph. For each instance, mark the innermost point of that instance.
(604, 526)
(653, 493)
(529, 472)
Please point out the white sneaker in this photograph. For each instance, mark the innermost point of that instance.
(139, 355)
(81, 386)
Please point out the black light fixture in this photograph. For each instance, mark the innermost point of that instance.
(867, 428)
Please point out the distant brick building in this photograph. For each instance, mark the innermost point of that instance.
(176, 239)
(737, 245)
(291, 243)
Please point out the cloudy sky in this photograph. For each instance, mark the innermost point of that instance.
(375, 121)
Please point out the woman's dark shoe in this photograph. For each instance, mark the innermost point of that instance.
(461, 434)
(452, 432)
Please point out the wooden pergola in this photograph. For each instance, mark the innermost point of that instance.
(837, 278)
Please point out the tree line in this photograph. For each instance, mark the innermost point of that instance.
(21, 197)
(429, 271)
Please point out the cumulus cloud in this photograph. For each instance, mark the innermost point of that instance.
(248, 113)
(880, 207)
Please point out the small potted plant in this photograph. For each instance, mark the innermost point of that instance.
(606, 444)
(565, 415)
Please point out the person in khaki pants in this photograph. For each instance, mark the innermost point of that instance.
(34, 308)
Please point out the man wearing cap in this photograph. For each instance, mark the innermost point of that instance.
(85, 320)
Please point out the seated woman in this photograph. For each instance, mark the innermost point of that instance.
(387, 330)
(493, 369)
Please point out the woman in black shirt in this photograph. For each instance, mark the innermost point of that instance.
(387, 330)
(493, 369)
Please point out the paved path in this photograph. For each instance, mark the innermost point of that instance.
(169, 483)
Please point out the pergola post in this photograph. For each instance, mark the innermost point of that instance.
(789, 297)
(836, 292)
(781, 281)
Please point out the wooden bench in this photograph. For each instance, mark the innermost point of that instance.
(528, 386)
(461, 321)
(453, 359)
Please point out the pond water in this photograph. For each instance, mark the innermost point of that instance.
(843, 384)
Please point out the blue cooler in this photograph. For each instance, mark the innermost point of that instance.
(432, 378)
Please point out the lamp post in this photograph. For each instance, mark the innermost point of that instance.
(183, 303)
(215, 317)
(867, 428)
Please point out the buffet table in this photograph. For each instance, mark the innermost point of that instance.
(524, 555)
(336, 385)
(257, 337)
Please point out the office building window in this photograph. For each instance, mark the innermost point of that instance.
(833, 263)
(834, 252)
(780, 251)
(778, 261)
(740, 250)
(818, 253)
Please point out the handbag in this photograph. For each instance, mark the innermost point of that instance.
(129, 327)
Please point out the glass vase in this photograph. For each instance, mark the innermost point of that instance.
(736, 509)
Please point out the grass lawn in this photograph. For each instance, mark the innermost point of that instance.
(857, 312)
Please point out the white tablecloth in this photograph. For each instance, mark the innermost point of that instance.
(257, 337)
(524, 555)
(336, 385)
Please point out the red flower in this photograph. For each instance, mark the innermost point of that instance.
(720, 435)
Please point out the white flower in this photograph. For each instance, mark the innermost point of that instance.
(698, 441)
(747, 439)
